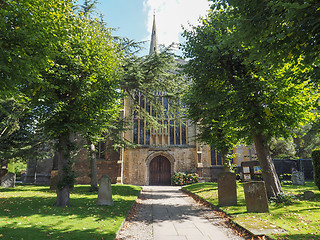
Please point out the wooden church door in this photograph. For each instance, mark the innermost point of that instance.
(160, 171)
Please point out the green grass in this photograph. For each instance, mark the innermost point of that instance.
(28, 212)
(301, 219)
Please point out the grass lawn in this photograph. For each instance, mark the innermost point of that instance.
(28, 212)
(301, 219)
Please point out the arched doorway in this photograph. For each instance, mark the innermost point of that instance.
(160, 171)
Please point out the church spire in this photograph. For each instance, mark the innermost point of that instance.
(154, 42)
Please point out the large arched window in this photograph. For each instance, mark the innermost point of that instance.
(171, 133)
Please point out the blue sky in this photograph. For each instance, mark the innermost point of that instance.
(133, 18)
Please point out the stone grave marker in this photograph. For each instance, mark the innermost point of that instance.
(105, 192)
(256, 197)
(297, 178)
(227, 189)
(8, 180)
(308, 195)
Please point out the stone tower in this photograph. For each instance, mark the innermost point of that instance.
(154, 41)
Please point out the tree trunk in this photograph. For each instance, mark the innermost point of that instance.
(269, 174)
(64, 171)
(94, 171)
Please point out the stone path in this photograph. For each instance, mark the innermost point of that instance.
(166, 213)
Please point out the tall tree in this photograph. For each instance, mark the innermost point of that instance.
(230, 95)
(78, 92)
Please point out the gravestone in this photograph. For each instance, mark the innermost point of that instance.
(54, 180)
(297, 178)
(9, 180)
(227, 189)
(308, 195)
(256, 197)
(105, 192)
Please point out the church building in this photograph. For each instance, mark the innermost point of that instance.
(160, 152)
(167, 150)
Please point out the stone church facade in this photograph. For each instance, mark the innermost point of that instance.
(170, 149)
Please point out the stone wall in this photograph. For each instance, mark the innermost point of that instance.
(136, 162)
(82, 169)
(109, 165)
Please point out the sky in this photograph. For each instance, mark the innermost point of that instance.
(133, 18)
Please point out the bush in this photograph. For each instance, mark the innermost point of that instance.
(316, 166)
(282, 198)
(180, 179)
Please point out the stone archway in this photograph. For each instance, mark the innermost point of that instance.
(159, 169)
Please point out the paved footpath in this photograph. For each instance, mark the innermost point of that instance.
(166, 213)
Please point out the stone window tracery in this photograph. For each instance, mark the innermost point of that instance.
(171, 133)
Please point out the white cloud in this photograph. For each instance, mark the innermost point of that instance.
(171, 15)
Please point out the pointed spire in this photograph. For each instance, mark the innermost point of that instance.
(154, 41)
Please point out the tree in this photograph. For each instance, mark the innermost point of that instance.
(29, 31)
(282, 148)
(78, 92)
(279, 32)
(19, 136)
(230, 95)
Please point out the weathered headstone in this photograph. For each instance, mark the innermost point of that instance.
(9, 180)
(308, 195)
(297, 178)
(54, 180)
(227, 189)
(256, 197)
(105, 192)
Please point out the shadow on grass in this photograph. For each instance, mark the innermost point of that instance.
(26, 188)
(82, 203)
(299, 237)
(34, 232)
(123, 190)
(201, 187)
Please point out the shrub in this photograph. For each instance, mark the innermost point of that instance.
(282, 198)
(180, 178)
(316, 166)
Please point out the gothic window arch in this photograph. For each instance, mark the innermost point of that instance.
(171, 133)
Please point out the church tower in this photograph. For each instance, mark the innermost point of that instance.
(154, 41)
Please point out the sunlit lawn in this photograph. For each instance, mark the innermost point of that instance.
(28, 212)
(301, 219)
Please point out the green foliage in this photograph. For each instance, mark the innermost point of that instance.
(181, 179)
(280, 31)
(20, 138)
(282, 148)
(230, 96)
(307, 138)
(282, 198)
(316, 166)
(29, 30)
(19, 166)
(234, 98)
